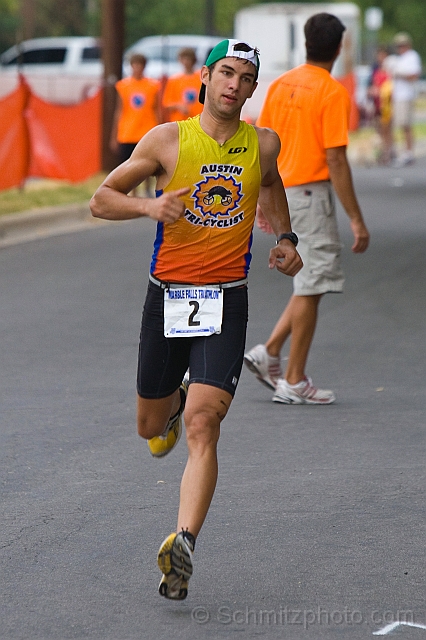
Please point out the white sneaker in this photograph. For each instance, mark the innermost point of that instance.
(266, 368)
(302, 393)
(404, 160)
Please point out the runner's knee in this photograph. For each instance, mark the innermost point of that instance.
(147, 428)
(202, 428)
(151, 420)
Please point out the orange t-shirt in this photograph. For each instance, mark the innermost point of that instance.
(138, 115)
(183, 89)
(309, 110)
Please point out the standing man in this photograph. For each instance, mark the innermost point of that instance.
(211, 170)
(406, 70)
(137, 110)
(180, 98)
(380, 93)
(310, 111)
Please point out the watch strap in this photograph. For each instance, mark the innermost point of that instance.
(288, 236)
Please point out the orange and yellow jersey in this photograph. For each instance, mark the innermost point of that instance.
(211, 242)
(183, 89)
(139, 108)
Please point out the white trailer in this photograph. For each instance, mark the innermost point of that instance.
(276, 28)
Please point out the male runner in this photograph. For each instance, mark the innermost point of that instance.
(210, 171)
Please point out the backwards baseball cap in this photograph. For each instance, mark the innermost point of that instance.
(230, 49)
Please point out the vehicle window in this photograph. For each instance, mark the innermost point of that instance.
(40, 56)
(91, 53)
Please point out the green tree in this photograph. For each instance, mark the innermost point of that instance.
(51, 18)
(145, 17)
(9, 23)
(409, 16)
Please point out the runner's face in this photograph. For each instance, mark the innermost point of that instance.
(231, 83)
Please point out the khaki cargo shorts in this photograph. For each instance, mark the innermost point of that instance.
(403, 113)
(313, 218)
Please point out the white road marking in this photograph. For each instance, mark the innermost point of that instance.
(394, 625)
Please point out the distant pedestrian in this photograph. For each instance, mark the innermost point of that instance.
(406, 70)
(180, 97)
(380, 93)
(137, 110)
(309, 110)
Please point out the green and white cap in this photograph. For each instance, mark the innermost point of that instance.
(231, 49)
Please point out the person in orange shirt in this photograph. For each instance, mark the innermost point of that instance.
(180, 98)
(310, 112)
(137, 110)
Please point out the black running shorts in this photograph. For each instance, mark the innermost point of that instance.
(215, 360)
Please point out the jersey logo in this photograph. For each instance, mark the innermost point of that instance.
(217, 196)
(137, 100)
(190, 96)
(237, 150)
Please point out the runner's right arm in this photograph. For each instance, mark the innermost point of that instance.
(154, 155)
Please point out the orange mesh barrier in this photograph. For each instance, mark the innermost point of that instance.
(14, 144)
(65, 140)
(47, 140)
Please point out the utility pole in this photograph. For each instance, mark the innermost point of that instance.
(210, 26)
(112, 54)
(28, 20)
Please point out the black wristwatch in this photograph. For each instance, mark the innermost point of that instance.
(289, 236)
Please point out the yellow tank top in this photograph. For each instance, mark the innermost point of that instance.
(211, 242)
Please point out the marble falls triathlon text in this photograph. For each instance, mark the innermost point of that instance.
(193, 294)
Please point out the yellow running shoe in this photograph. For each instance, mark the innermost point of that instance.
(175, 561)
(160, 446)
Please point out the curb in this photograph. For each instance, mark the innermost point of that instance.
(16, 228)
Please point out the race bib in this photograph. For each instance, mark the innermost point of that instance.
(191, 310)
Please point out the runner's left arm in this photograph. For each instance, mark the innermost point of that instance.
(111, 200)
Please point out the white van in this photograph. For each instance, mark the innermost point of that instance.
(162, 52)
(64, 70)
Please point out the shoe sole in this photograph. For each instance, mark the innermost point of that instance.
(253, 368)
(174, 561)
(287, 400)
(179, 590)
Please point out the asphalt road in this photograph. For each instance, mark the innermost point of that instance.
(317, 527)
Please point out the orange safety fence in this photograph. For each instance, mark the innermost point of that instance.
(40, 139)
(14, 143)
